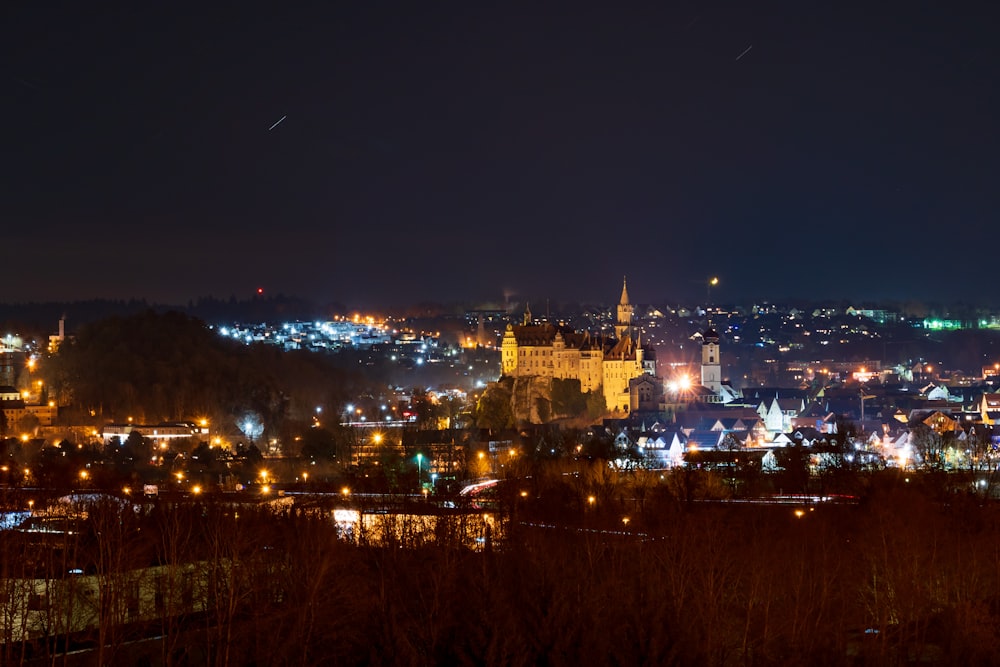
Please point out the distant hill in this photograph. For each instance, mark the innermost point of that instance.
(44, 317)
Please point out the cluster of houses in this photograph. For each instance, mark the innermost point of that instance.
(893, 425)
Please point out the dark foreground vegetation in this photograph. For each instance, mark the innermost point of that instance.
(902, 577)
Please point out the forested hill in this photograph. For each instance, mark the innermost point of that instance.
(43, 318)
(170, 366)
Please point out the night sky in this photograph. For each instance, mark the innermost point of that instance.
(455, 151)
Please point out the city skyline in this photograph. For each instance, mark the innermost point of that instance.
(380, 156)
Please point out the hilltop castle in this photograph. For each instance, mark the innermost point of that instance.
(556, 351)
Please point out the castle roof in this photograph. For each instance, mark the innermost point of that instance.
(623, 349)
(544, 335)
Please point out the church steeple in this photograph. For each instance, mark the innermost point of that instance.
(527, 314)
(711, 364)
(624, 325)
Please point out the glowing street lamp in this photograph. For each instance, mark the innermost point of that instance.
(420, 458)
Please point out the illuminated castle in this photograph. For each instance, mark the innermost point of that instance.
(556, 351)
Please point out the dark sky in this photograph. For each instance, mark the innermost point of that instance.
(439, 151)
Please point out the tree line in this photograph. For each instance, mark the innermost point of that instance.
(899, 578)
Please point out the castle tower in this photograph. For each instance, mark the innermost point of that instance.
(508, 352)
(711, 364)
(624, 326)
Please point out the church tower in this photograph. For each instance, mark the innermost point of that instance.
(711, 364)
(624, 326)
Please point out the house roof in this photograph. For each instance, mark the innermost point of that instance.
(703, 439)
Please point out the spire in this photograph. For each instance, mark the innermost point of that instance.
(527, 314)
(624, 325)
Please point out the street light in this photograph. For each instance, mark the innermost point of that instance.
(420, 458)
